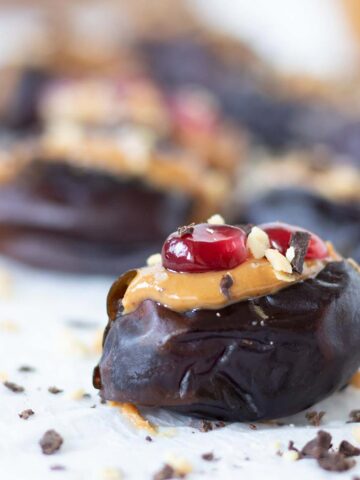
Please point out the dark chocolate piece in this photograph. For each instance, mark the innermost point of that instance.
(50, 442)
(225, 285)
(300, 242)
(208, 457)
(25, 414)
(336, 462)
(318, 447)
(14, 387)
(348, 450)
(236, 369)
(314, 418)
(166, 473)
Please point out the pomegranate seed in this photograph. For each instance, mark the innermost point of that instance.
(280, 234)
(205, 247)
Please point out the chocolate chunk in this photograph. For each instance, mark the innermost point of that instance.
(25, 414)
(314, 418)
(148, 438)
(300, 242)
(209, 457)
(335, 462)
(185, 230)
(348, 450)
(355, 416)
(50, 442)
(166, 473)
(54, 390)
(225, 284)
(318, 447)
(26, 369)
(14, 387)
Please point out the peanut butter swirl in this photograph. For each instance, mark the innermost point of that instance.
(188, 291)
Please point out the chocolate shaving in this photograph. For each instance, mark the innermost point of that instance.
(318, 447)
(25, 414)
(55, 390)
(26, 369)
(50, 442)
(226, 283)
(166, 473)
(354, 416)
(300, 242)
(348, 450)
(314, 418)
(185, 230)
(335, 462)
(14, 387)
(208, 457)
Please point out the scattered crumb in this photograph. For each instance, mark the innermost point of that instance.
(134, 416)
(291, 455)
(50, 442)
(78, 394)
(55, 390)
(6, 284)
(356, 434)
(3, 377)
(148, 438)
(208, 457)
(57, 468)
(9, 326)
(336, 462)
(14, 387)
(25, 414)
(314, 418)
(26, 369)
(166, 472)
(110, 474)
(181, 466)
(252, 426)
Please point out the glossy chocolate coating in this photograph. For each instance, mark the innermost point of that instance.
(57, 216)
(262, 358)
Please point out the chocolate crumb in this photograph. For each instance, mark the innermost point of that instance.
(348, 450)
(54, 390)
(81, 324)
(206, 426)
(354, 416)
(226, 283)
(300, 242)
(186, 229)
(148, 438)
(318, 447)
(26, 369)
(220, 424)
(292, 447)
(314, 418)
(50, 442)
(25, 414)
(57, 468)
(209, 457)
(86, 395)
(252, 426)
(14, 387)
(335, 462)
(167, 472)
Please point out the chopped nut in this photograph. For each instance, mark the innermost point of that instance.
(290, 254)
(154, 259)
(278, 261)
(285, 277)
(291, 455)
(258, 242)
(216, 220)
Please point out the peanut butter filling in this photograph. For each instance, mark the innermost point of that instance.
(188, 291)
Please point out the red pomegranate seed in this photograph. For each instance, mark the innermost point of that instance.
(280, 234)
(204, 248)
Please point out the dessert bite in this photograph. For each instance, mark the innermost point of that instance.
(238, 323)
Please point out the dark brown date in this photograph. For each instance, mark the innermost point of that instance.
(262, 358)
